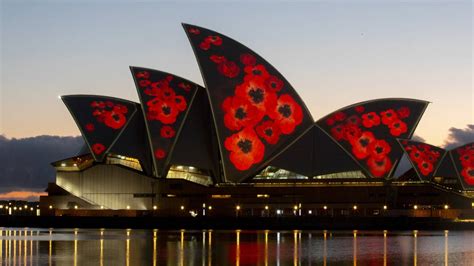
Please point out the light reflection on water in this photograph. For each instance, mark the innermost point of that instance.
(38, 246)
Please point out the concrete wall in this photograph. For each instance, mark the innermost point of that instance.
(110, 186)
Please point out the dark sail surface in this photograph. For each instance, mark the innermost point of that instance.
(165, 101)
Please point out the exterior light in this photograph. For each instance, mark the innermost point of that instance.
(210, 207)
(204, 205)
(14, 208)
(31, 209)
(355, 207)
(20, 208)
(237, 207)
(26, 206)
(128, 207)
(155, 207)
(63, 165)
(182, 207)
(1, 206)
(75, 207)
(325, 207)
(295, 207)
(266, 207)
(446, 207)
(310, 212)
(74, 165)
(415, 207)
(384, 207)
(50, 207)
(278, 212)
(102, 207)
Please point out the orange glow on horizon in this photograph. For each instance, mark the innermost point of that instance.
(21, 195)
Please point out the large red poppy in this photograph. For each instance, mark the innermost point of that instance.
(240, 113)
(98, 148)
(167, 132)
(245, 148)
(256, 92)
(468, 175)
(114, 119)
(425, 167)
(214, 40)
(397, 128)
(353, 120)
(269, 131)
(287, 113)
(370, 119)
(360, 145)
(388, 116)
(228, 69)
(166, 94)
(378, 149)
(252, 71)
(378, 168)
(164, 111)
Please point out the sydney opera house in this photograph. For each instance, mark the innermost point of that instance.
(246, 145)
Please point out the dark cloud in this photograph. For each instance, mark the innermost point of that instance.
(405, 164)
(25, 163)
(459, 136)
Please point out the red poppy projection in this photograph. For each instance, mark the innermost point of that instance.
(425, 158)
(165, 100)
(101, 120)
(368, 131)
(463, 158)
(257, 112)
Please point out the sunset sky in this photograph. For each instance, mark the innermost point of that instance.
(334, 53)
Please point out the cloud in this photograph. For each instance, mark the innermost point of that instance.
(25, 163)
(459, 136)
(22, 195)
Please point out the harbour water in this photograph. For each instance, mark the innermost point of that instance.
(43, 246)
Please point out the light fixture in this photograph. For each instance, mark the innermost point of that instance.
(63, 165)
(446, 207)
(355, 207)
(155, 207)
(102, 207)
(266, 207)
(325, 207)
(384, 207)
(295, 207)
(237, 207)
(128, 207)
(182, 207)
(210, 207)
(75, 207)
(278, 212)
(415, 207)
(50, 207)
(310, 212)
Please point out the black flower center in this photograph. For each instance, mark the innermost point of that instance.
(116, 117)
(177, 100)
(364, 142)
(273, 84)
(396, 125)
(268, 132)
(389, 114)
(245, 145)
(285, 110)
(425, 165)
(256, 72)
(379, 163)
(371, 116)
(379, 149)
(240, 113)
(166, 110)
(256, 94)
(417, 154)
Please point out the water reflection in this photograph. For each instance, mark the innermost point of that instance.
(25, 246)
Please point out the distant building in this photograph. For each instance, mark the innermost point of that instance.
(246, 144)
